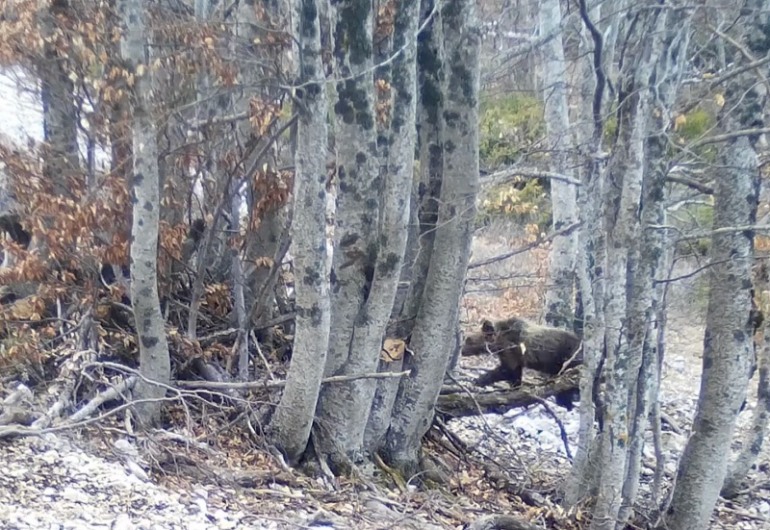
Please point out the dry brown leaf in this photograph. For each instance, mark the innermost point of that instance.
(392, 350)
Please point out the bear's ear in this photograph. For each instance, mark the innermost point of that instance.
(488, 329)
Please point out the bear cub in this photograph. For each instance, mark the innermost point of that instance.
(519, 344)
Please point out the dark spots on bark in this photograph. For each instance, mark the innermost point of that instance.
(349, 239)
(322, 195)
(321, 178)
(146, 323)
(145, 292)
(149, 206)
(138, 179)
(307, 201)
(311, 277)
(140, 222)
(451, 14)
(351, 31)
(363, 318)
(746, 284)
(452, 118)
(353, 104)
(449, 146)
(150, 342)
(333, 280)
(708, 361)
(739, 336)
(706, 427)
(309, 15)
(316, 316)
(371, 203)
(360, 158)
(391, 263)
(463, 82)
(313, 90)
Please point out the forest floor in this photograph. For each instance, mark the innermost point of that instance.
(98, 479)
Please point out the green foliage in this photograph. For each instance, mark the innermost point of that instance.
(509, 125)
(694, 125)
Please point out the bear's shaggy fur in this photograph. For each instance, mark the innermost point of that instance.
(519, 344)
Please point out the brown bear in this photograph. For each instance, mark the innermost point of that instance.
(519, 344)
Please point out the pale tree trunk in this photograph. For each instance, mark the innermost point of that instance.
(728, 340)
(357, 323)
(396, 203)
(624, 192)
(154, 361)
(755, 436)
(647, 258)
(293, 419)
(427, 188)
(561, 260)
(433, 336)
(591, 269)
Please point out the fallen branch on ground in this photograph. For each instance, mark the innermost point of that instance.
(457, 404)
(211, 385)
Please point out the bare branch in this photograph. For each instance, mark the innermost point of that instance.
(539, 241)
(505, 175)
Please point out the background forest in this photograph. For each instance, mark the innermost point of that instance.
(384, 264)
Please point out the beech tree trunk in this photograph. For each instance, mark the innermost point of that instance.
(290, 427)
(591, 267)
(667, 56)
(154, 362)
(370, 237)
(727, 345)
(755, 436)
(563, 254)
(433, 336)
(427, 188)
(397, 206)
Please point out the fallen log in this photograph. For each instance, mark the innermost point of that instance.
(457, 403)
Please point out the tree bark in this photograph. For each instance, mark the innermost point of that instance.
(728, 339)
(591, 267)
(755, 436)
(396, 204)
(290, 427)
(666, 58)
(154, 362)
(433, 334)
(60, 119)
(563, 254)
(427, 188)
(362, 283)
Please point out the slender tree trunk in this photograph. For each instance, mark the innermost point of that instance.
(755, 436)
(154, 361)
(357, 322)
(60, 120)
(294, 417)
(396, 202)
(666, 57)
(433, 334)
(561, 264)
(427, 188)
(728, 340)
(592, 266)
